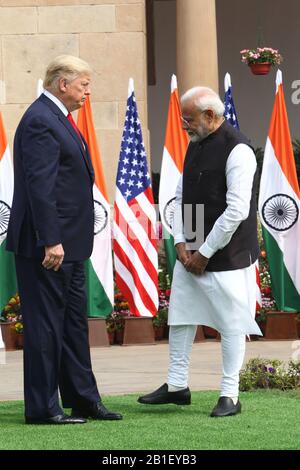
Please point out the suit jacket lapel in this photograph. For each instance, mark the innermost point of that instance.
(72, 131)
(79, 142)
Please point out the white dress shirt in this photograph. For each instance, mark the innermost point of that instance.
(57, 102)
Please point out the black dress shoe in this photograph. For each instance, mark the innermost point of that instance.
(97, 411)
(162, 396)
(59, 419)
(226, 407)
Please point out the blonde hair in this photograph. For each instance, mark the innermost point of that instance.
(65, 66)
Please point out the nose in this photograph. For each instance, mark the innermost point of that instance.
(184, 124)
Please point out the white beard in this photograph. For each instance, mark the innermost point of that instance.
(199, 135)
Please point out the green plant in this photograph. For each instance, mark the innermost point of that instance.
(261, 55)
(110, 324)
(161, 318)
(164, 281)
(12, 313)
(270, 373)
(18, 327)
(261, 316)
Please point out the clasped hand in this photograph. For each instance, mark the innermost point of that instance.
(194, 263)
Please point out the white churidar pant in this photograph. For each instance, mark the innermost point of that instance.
(233, 350)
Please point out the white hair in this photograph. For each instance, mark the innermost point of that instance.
(204, 98)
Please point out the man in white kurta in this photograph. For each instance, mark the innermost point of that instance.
(222, 299)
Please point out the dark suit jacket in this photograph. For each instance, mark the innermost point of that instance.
(53, 199)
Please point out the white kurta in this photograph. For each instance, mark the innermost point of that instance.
(224, 300)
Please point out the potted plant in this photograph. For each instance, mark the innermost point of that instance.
(261, 318)
(19, 330)
(159, 323)
(119, 318)
(10, 316)
(110, 328)
(261, 59)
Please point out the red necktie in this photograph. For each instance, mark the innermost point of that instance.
(71, 120)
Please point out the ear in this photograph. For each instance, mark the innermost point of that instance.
(209, 115)
(62, 85)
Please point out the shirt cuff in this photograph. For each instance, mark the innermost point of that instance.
(179, 239)
(206, 251)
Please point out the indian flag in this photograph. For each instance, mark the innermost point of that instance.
(8, 283)
(99, 268)
(176, 143)
(279, 207)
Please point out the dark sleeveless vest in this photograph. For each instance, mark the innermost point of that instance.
(204, 182)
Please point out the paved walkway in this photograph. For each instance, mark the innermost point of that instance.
(134, 369)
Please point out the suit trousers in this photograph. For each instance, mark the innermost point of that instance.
(56, 347)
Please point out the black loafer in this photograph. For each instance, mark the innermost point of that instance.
(97, 411)
(59, 419)
(162, 396)
(226, 407)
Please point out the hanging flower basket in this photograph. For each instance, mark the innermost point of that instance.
(261, 59)
(262, 68)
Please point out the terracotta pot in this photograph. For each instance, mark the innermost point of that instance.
(119, 335)
(138, 330)
(111, 337)
(20, 340)
(9, 336)
(159, 332)
(281, 325)
(97, 332)
(166, 331)
(209, 332)
(262, 326)
(262, 68)
(199, 334)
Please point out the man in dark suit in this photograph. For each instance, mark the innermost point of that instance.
(51, 234)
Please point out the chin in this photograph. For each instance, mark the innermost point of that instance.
(195, 138)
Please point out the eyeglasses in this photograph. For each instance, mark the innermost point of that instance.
(187, 123)
(184, 121)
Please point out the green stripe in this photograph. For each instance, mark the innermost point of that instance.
(98, 304)
(170, 252)
(285, 294)
(8, 280)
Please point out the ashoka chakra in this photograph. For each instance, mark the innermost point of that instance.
(101, 216)
(280, 212)
(169, 212)
(4, 217)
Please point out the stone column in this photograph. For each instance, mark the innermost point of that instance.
(197, 56)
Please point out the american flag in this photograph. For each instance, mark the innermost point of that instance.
(231, 117)
(135, 251)
(229, 114)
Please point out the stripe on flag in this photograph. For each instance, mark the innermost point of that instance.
(279, 204)
(258, 291)
(8, 282)
(99, 268)
(135, 252)
(176, 143)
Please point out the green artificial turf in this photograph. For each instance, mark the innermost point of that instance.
(269, 420)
